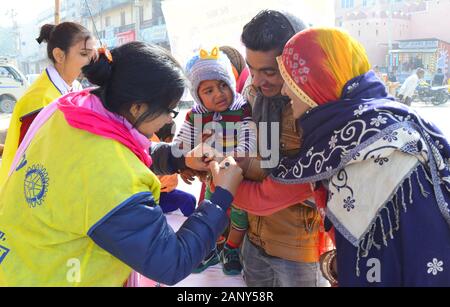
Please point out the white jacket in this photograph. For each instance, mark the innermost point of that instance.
(409, 86)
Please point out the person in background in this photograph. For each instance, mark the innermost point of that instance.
(438, 78)
(392, 85)
(408, 87)
(70, 46)
(376, 70)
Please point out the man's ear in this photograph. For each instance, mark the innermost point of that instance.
(59, 55)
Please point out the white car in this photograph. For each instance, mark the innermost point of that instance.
(32, 77)
(12, 86)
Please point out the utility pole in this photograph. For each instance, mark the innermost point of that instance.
(137, 16)
(57, 9)
(15, 31)
(391, 8)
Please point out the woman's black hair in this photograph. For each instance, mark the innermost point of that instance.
(270, 30)
(62, 36)
(139, 73)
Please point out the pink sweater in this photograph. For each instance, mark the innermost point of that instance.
(268, 197)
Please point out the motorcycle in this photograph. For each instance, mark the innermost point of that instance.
(436, 95)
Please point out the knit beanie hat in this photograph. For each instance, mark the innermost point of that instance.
(209, 66)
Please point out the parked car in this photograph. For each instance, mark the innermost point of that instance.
(31, 78)
(12, 86)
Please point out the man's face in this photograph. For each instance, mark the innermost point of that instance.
(264, 71)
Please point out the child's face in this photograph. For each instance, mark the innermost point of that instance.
(216, 95)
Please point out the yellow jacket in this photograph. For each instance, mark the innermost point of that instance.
(41, 93)
(64, 185)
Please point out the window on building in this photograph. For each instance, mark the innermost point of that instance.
(107, 21)
(346, 4)
(122, 18)
(359, 32)
(376, 32)
(141, 14)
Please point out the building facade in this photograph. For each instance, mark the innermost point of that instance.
(382, 26)
(113, 22)
(120, 21)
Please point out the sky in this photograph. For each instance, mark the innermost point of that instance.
(26, 10)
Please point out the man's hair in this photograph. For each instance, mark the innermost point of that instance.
(270, 30)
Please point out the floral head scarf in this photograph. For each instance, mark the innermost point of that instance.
(316, 64)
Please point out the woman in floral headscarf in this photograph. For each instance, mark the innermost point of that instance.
(382, 173)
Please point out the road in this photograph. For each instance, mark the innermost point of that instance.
(439, 115)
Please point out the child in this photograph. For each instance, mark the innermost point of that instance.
(172, 199)
(218, 107)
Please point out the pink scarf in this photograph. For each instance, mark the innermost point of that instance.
(85, 111)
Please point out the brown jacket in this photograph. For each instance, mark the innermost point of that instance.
(292, 233)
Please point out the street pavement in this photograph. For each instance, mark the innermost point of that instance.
(439, 115)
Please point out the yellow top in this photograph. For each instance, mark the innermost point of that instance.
(41, 93)
(67, 181)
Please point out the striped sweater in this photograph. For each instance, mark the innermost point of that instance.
(234, 130)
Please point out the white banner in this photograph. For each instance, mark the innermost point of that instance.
(194, 24)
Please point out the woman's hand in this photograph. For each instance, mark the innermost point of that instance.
(226, 174)
(188, 176)
(198, 159)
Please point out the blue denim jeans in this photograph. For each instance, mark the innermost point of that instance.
(262, 270)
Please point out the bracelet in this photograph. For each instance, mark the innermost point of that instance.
(326, 267)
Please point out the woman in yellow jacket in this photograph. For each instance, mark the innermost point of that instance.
(80, 204)
(70, 46)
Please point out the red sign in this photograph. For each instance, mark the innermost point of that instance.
(126, 37)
